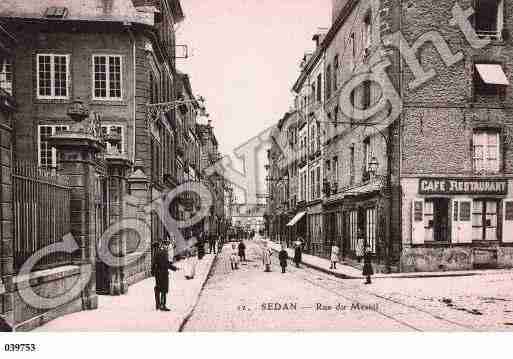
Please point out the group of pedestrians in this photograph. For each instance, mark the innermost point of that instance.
(283, 256)
(363, 252)
(237, 255)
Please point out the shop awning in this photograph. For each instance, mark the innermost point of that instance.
(365, 189)
(492, 74)
(296, 218)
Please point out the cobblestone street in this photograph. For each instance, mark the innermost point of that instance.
(249, 300)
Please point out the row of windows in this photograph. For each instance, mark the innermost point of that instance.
(310, 183)
(486, 156)
(53, 76)
(441, 224)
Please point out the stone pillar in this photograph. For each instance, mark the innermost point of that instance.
(77, 150)
(139, 187)
(117, 166)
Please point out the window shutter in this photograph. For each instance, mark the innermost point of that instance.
(502, 149)
(507, 221)
(500, 18)
(465, 222)
(417, 221)
(455, 214)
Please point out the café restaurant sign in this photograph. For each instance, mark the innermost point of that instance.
(463, 186)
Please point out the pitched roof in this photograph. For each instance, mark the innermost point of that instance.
(97, 10)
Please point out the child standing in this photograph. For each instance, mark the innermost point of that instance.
(334, 256)
(234, 260)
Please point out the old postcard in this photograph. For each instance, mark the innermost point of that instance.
(255, 166)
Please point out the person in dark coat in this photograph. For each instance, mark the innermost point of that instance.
(212, 243)
(155, 250)
(242, 251)
(298, 253)
(160, 269)
(200, 244)
(367, 266)
(283, 256)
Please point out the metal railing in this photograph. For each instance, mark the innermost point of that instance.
(41, 203)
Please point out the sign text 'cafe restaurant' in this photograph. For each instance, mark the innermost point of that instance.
(457, 223)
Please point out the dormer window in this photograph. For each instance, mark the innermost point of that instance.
(56, 12)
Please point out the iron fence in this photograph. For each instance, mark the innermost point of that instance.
(41, 201)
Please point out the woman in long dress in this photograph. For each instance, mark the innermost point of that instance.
(266, 258)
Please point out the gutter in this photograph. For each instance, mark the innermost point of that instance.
(134, 71)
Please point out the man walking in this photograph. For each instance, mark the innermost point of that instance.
(160, 270)
(298, 252)
(242, 251)
(283, 257)
(212, 243)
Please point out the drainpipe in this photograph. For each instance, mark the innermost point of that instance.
(134, 68)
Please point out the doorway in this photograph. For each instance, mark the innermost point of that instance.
(436, 217)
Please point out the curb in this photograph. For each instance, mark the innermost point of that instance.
(190, 312)
(324, 270)
(392, 276)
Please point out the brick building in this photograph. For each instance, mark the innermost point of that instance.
(215, 223)
(429, 190)
(117, 57)
(7, 108)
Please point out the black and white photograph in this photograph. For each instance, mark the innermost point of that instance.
(254, 166)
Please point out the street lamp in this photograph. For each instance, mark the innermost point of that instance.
(373, 166)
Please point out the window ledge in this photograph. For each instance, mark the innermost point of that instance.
(109, 102)
(44, 101)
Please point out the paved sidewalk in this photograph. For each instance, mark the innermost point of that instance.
(135, 311)
(349, 272)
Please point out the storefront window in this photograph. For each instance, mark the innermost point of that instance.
(353, 229)
(484, 220)
(371, 228)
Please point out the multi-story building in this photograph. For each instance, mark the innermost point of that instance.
(430, 188)
(117, 58)
(309, 102)
(189, 155)
(355, 205)
(215, 224)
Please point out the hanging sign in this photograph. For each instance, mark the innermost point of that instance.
(463, 186)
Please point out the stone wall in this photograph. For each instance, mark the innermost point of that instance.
(6, 215)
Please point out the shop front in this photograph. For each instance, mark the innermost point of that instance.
(334, 223)
(315, 239)
(457, 224)
(364, 225)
